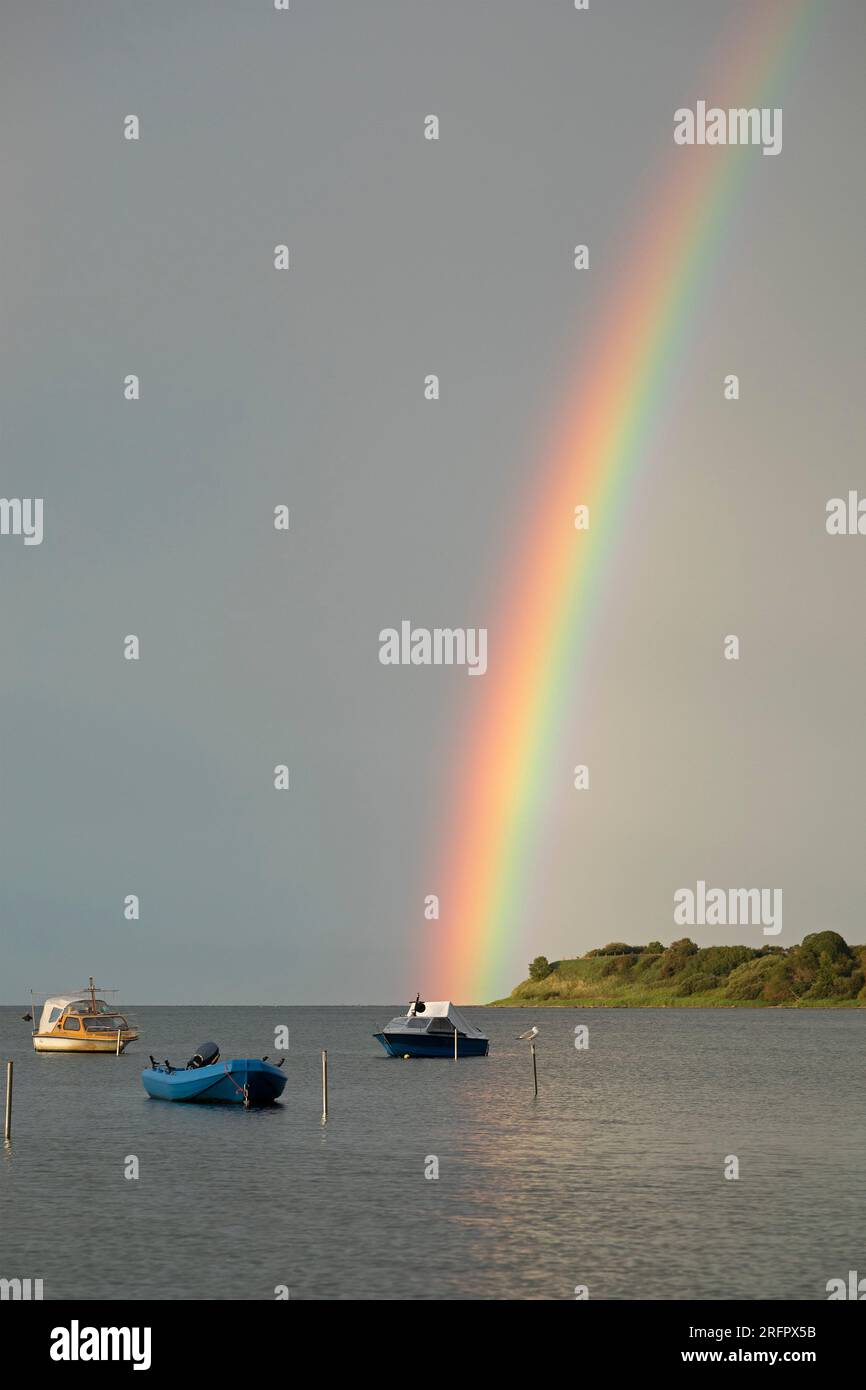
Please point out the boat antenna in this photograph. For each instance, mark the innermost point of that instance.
(91, 990)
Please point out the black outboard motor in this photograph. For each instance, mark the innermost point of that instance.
(207, 1054)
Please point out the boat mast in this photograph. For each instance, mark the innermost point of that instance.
(92, 988)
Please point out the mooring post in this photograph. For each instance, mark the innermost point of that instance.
(534, 1067)
(324, 1086)
(117, 1053)
(455, 1044)
(7, 1127)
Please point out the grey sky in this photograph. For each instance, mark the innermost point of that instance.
(408, 257)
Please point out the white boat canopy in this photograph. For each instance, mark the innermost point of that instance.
(53, 1008)
(443, 1008)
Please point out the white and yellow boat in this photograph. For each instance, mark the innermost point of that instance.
(81, 1022)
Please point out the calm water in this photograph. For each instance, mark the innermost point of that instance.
(611, 1178)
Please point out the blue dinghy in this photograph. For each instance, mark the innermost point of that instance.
(208, 1079)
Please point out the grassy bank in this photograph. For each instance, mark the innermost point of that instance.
(822, 972)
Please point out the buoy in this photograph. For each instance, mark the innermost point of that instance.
(406, 1057)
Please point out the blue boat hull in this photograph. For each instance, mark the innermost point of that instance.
(432, 1045)
(245, 1080)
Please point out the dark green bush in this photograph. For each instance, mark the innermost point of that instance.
(675, 957)
(720, 960)
(824, 943)
(540, 968)
(779, 987)
(699, 983)
(747, 981)
(618, 965)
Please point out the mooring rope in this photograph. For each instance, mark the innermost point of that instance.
(244, 1090)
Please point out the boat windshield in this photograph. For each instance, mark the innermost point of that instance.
(105, 1023)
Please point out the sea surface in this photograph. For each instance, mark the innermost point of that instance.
(612, 1179)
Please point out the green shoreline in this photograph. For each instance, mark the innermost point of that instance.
(822, 972)
(700, 1003)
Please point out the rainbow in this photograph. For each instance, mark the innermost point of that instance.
(510, 751)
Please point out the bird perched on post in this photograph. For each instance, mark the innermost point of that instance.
(528, 1035)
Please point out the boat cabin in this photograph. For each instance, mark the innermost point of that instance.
(434, 1016)
(81, 1022)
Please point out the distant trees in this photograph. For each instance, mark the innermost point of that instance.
(675, 957)
(616, 948)
(825, 943)
(752, 977)
(708, 968)
(684, 947)
(540, 968)
(823, 966)
(822, 970)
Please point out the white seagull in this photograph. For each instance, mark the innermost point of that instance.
(528, 1035)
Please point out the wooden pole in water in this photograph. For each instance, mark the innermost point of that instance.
(324, 1086)
(455, 1044)
(534, 1067)
(117, 1053)
(7, 1127)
